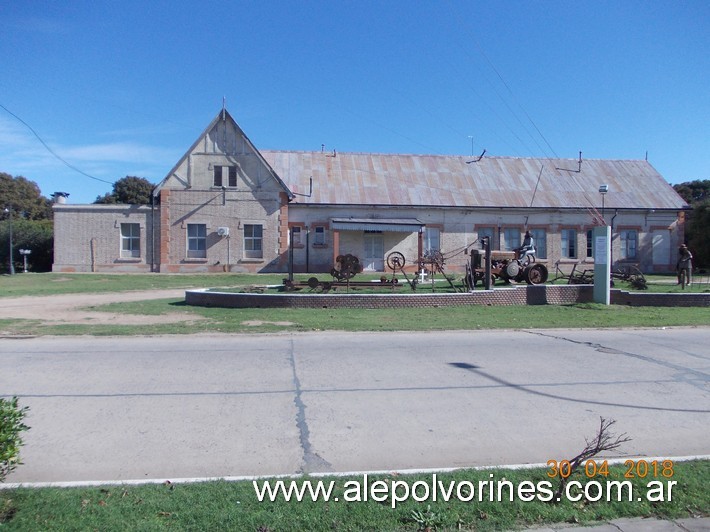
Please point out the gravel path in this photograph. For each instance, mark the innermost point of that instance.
(73, 308)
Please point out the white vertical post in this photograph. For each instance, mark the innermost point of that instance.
(602, 264)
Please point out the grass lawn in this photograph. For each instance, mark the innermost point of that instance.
(224, 505)
(45, 284)
(218, 320)
(414, 319)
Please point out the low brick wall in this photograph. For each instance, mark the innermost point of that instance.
(650, 299)
(519, 295)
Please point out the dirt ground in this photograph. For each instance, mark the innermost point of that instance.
(72, 308)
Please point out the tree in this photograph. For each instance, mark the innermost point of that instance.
(30, 214)
(694, 191)
(698, 234)
(130, 189)
(35, 235)
(697, 231)
(24, 198)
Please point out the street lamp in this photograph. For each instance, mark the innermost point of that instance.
(24, 253)
(603, 189)
(9, 218)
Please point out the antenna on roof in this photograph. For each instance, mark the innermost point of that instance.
(310, 190)
(579, 168)
(477, 159)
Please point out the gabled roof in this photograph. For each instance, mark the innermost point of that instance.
(455, 181)
(222, 115)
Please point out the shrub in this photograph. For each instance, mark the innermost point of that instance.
(11, 425)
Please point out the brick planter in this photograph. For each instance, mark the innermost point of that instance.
(518, 295)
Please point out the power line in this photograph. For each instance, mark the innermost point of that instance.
(50, 150)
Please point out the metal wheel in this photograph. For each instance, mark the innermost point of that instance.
(536, 274)
(395, 261)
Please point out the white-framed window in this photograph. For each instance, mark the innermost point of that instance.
(130, 240)
(629, 243)
(253, 240)
(569, 243)
(484, 232)
(319, 235)
(432, 239)
(540, 238)
(512, 238)
(220, 171)
(296, 235)
(196, 241)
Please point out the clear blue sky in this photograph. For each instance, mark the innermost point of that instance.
(124, 88)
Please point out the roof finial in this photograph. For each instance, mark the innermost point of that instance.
(224, 108)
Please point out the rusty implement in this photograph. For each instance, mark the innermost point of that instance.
(433, 262)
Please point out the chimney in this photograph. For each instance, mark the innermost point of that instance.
(60, 197)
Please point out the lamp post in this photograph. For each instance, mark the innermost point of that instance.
(603, 189)
(9, 219)
(24, 253)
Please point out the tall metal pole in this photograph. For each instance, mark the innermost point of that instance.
(9, 218)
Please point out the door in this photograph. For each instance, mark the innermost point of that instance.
(661, 248)
(374, 252)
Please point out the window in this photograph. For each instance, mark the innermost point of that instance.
(590, 244)
(231, 176)
(296, 236)
(540, 238)
(569, 243)
(253, 241)
(319, 237)
(629, 241)
(432, 238)
(484, 232)
(512, 238)
(196, 241)
(130, 240)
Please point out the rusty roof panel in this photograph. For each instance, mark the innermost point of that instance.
(436, 180)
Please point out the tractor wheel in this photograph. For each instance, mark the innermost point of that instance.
(536, 274)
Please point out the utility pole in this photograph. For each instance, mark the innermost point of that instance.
(9, 219)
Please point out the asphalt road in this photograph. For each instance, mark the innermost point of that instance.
(231, 405)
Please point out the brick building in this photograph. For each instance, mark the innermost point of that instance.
(227, 206)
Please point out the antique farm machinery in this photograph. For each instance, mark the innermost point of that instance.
(505, 265)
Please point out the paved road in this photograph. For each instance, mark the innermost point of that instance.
(230, 405)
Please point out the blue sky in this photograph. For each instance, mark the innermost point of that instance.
(124, 88)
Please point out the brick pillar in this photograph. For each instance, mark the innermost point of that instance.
(283, 230)
(164, 230)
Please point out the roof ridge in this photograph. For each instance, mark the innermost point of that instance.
(448, 156)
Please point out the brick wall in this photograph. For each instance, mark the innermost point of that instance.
(650, 299)
(519, 295)
(87, 238)
(522, 295)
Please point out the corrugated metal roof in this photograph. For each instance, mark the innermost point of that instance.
(448, 181)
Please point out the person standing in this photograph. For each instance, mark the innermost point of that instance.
(684, 266)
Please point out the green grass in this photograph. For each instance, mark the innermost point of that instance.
(233, 506)
(39, 284)
(215, 320)
(219, 320)
(43, 284)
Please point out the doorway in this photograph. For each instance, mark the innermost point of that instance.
(374, 252)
